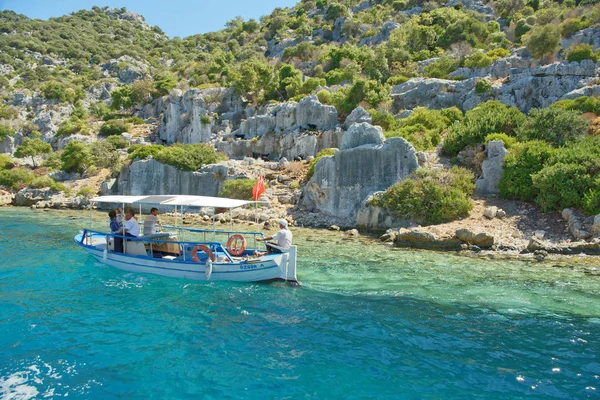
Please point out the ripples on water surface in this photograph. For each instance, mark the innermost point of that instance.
(369, 322)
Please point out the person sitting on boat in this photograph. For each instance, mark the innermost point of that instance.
(150, 221)
(283, 237)
(116, 227)
(132, 228)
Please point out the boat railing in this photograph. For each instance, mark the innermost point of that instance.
(185, 246)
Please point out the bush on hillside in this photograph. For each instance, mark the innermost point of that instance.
(114, 127)
(238, 189)
(561, 186)
(6, 161)
(187, 157)
(508, 141)
(17, 178)
(431, 196)
(583, 104)
(5, 131)
(524, 160)
(581, 51)
(553, 125)
(486, 118)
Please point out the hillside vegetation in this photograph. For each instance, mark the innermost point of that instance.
(98, 68)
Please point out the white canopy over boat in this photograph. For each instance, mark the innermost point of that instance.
(175, 200)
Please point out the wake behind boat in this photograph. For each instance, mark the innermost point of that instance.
(203, 257)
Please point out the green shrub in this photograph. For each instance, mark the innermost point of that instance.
(423, 128)
(41, 182)
(141, 152)
(542, 40)
(581, 51)
(71, 127)
(135, 121)
(572, 25)
(478, 59)
(205, 120)
(5, 131)
(431, 196)
(483, 86)
(76, 157)
(524, 160)
(554, 125)
(6, 161)
(325, 97)
(583, 104)
(238, 189)
(486, 118)
(114, 127)
(397, 80)
(441, 68)
(86, 192)
(189, 157)
(508, 141)
(323, 153)
(16, 178)
(591, 200)
(118, 142)
(561, 186)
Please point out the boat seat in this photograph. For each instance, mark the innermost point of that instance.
(135, 248)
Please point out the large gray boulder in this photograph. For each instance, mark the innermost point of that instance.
(342, 182)
(185, 114)
(312, 115)
(258, 125)
(357, 115)
(152, 177)
(361, 134)
(126, 68)
(292, 145)
(491, 169)
(7, 145)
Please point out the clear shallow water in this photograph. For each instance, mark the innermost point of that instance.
(369, 322)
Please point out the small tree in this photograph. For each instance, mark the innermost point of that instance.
(76, 157)
(542, 40)
(32, 148)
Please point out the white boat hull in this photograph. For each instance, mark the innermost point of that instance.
(267, 268)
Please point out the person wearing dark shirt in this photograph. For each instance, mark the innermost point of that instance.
(116, 227)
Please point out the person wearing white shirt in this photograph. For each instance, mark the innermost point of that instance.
(132, 228)
(283, 237)
(150, 221)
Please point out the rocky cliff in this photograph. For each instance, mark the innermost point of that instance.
(366, 164)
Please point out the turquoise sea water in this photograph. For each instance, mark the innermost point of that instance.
(369, 322)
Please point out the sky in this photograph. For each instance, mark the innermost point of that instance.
(175, 17)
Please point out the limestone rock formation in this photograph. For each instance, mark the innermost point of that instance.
(491, 169)
(525, 86)
(151, 176)
(357, 115)
(312, 115)
(342, 182)
(361, 134)
(185, 114)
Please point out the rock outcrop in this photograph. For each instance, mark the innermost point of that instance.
(151, 176)
(342, 182)
(491, 169)
(187, 117)
(525, 86)
(292, 146)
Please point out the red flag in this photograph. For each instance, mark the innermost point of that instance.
(258, 189)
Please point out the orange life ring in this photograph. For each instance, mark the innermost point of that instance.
(232, 247)
(205, 249)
